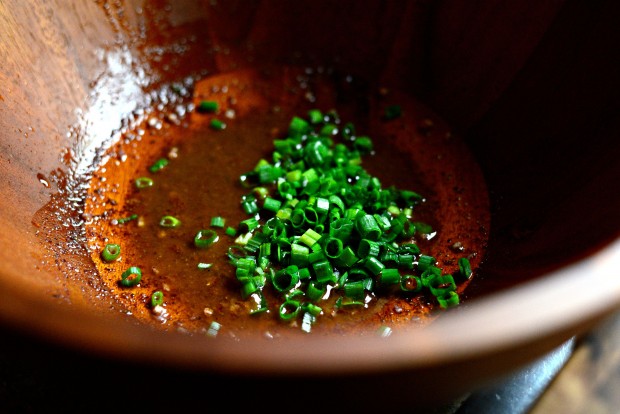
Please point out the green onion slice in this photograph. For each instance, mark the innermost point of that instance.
(143, 182)
(111, 252)
(157, 298)
(131, 277)
(205, 238)
(169, 222)
(217, 124)
(218, 221)
(158, 165)
(207, 107)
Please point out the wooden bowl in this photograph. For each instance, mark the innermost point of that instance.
(532, 88)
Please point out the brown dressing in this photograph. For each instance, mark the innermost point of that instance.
(416, 151)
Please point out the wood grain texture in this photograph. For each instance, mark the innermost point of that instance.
(509, 77)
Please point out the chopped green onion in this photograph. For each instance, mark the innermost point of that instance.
(235, 253)
(111, 252)
(347, 258)
(248, 225)
(158, 165)
(363, 145)
(320, 225)
(373, 265)
(315, 116)
(333, 248)
(157, 298)
(289, 309)
(465, 268)
(429, 275)
(312, 309)
(286, 279)
(207, 107)
(368, 248)
(309, 237)
(389, 277)
(218, 222)
(315, 290)
(217, 124)
(205, 238)
(131, 277)
(423, 228)
(299, 255)
(411, 284)
(448, 300)
(368, 228)
(127, 219)
(324, 272)
(143, 182)
(298, 126)
(271, 204)
(169, 222)
(441, 285)
(425, 261)
(355, 290)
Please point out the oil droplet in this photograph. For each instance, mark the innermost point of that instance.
(43, 180)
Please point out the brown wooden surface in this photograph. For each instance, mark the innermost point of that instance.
(528, 82)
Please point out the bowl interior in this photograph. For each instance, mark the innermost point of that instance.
(540, 125)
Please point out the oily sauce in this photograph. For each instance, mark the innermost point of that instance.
(415, 151)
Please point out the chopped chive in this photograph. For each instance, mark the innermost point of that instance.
(425, 261)
(315, 290)
(410, 283)
(111, 252)
(157, 298)
(131, 277)
(298, 126)
(158, 165)
(448, 300)
(286, 279)
(319, 222)
(271, 204)
(143, 182)
(363, 144)
(423, 228)
(315, 116)
(355, 290)
(205, 238)
(217, 124)
(169, 222)
(127, 219)
(218, 222)
(289, 309)
(465, 268)
(389, 277)
(248, 225)
(207, 107)
(310, 237)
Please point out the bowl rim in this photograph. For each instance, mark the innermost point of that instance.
(545, 309)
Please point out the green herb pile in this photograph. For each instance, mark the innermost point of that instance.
(320, 225)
